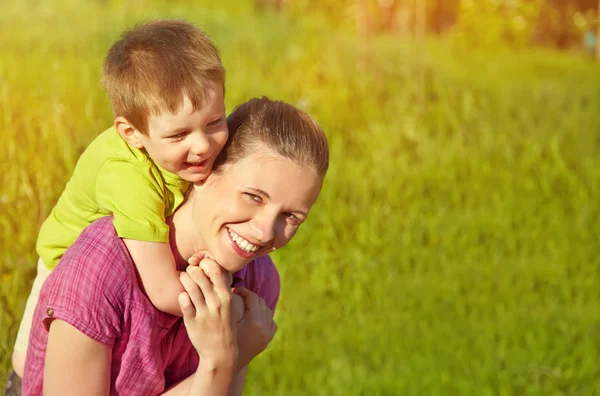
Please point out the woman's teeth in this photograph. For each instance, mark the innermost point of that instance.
(242, 243)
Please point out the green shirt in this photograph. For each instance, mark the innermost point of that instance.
(112, 178)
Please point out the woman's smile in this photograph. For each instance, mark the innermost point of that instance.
(241, 245)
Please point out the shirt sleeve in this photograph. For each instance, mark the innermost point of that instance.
(263, 279)
(135, 197)
(86, 296)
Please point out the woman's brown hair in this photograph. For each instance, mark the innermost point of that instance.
(279, 126)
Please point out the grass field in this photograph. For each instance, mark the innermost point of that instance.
(455, 248)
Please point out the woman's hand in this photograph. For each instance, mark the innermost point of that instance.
(206, 308)
(257, 327)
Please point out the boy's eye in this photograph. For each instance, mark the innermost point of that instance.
(179, 135)
(216, 122)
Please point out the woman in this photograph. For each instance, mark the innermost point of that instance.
(110, 339)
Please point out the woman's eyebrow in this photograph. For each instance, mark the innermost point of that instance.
(264, 194)
(259, 191)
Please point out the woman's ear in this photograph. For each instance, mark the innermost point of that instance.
(128, 132)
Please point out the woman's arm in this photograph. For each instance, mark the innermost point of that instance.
(254, 332)
(75, 364)
(206, 308)
(237, 388)
(184, 388)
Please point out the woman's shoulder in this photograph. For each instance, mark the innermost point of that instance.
(97, 265)
(99, 246)
(92, 285)
(261, 277)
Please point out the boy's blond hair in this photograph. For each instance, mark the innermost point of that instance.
(155, 65)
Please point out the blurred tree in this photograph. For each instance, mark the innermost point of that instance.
(493, 23)
(420, 30)
(388, 10)
(598, 32)
(267, 5)
(442, 15)
(362, 18)
(562, 23)
(518, 23)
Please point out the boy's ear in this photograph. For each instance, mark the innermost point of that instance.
(128, 132)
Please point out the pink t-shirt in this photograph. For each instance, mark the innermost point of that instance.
(95, 289)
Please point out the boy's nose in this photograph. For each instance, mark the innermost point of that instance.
(200, 145)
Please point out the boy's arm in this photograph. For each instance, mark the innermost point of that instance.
(135, 196)
(158, 273)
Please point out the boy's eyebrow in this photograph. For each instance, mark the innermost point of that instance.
(171, 132)
(176, 131)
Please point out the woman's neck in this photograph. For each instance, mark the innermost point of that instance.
(184, 237)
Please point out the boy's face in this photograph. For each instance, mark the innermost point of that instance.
(187, 143)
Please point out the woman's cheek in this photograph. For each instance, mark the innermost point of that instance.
(287, 235)
(242, 210)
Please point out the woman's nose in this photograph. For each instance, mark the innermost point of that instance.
(263, 228)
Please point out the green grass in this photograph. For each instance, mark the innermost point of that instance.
(455, 247)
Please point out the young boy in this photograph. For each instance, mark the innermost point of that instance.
(166, 82)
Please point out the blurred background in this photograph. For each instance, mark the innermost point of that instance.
(455, 246)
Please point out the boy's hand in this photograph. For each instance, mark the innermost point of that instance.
(206, 307)
(198, 257)
(257, 327)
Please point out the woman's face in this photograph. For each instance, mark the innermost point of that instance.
(253, 206)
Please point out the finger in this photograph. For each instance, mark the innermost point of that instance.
(211, 268)
(218, 277)
(194, 260)
(265, 312)
(206, 254)
(191, 287)
(250, 298)
(261, 303)
(241, 291)
(211, 299)
(237, 307)
(186, 306)
(197, 257)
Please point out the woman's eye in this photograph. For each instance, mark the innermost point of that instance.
(253, 197)
(293, 218)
